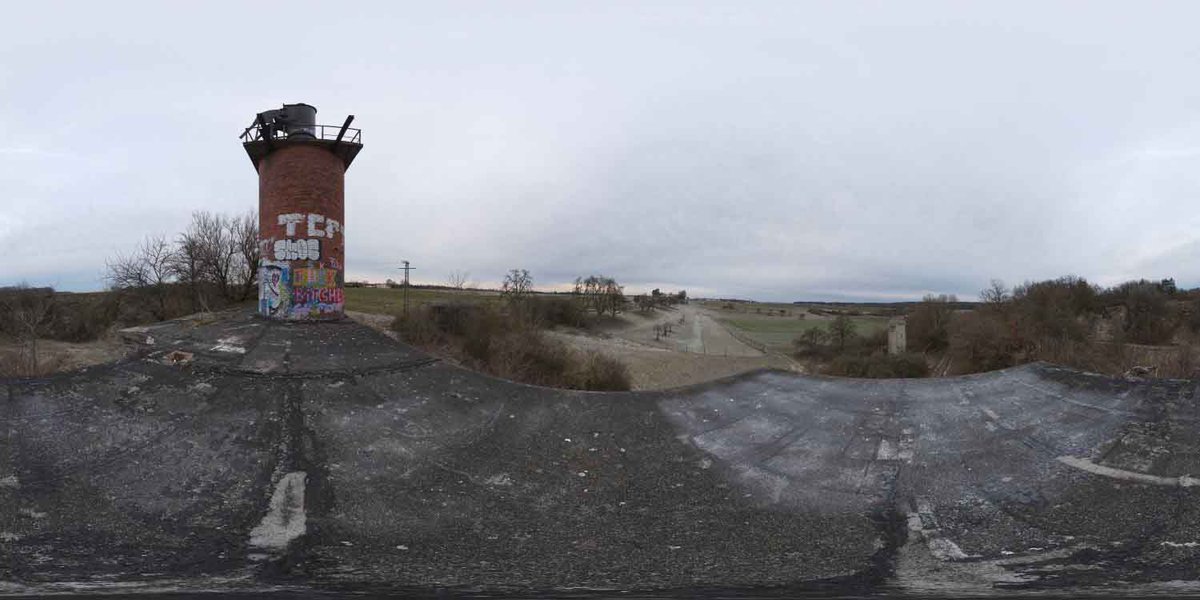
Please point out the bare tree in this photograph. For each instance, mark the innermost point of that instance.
(189, 269)
(518, 284)
(221, 251)
(602, 294)
(458, 279)
(244, 231)
(29, 313)
(149, 270)
(996, 293)
(215, 259)
(841, 331)
(218, 249)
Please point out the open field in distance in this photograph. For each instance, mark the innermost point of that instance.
(390, 301)
(777, 333)
(776, 325)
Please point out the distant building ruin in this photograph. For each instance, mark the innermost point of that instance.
(301, 220)
(897, 335)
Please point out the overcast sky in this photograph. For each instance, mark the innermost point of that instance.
(769, 150)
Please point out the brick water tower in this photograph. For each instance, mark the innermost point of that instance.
(301, 199)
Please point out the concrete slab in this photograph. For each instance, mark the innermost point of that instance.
(372, 466)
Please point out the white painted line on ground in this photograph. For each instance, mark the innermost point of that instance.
(285, 519)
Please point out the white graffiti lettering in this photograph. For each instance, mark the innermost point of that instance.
(313, 221)
(298, 249)
(290, 220)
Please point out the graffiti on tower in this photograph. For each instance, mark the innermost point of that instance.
(275, 294)
(315, 293)
(297, 280)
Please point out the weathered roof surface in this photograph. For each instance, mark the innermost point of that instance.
(328, 456)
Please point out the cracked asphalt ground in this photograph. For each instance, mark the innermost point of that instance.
(238, 454)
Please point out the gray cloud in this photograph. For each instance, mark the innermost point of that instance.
(774, 150)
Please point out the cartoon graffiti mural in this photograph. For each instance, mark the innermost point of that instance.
(275, 291)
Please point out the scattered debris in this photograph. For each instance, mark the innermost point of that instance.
(499, 479)
(1138, 372)
(229, 344)
(177, 357)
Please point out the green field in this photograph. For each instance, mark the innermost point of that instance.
(390, 301)
(777, 333)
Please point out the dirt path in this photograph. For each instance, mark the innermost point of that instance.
(697, 350)
(653, 368)
(692, 331)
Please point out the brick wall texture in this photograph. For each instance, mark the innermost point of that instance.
(300, 179)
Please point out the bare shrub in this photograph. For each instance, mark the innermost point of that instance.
(16, 362)
(985, 342)
(1047, 320)
(928, 325)
(418, 327)
(1149, 317)
(27, 314)
(84, 317)
(552, 311)
(1058, 308)
(595, 371)
(879, 365)
(812, 343)
(1182, 364)
(504, 344)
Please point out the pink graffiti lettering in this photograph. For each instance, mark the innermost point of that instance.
(319, 295)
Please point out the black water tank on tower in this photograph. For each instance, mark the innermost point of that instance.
(299, 120)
